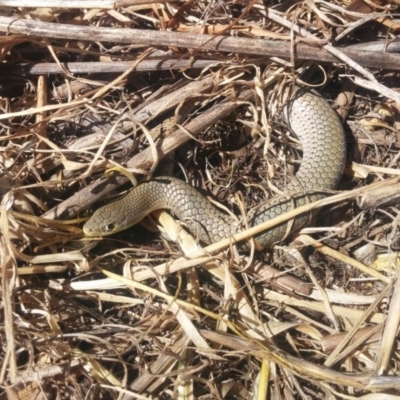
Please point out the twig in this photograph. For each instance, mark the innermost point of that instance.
(264, 48)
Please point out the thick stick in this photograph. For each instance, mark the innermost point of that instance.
(265, 48)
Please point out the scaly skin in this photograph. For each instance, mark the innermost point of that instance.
(310, 118)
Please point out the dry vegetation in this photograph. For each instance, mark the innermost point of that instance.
(135, 315)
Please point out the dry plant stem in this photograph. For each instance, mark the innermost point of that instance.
(363, 170)
(378, 198)
(102, 4)
(92, 67)
(339, 297)
(296, 365)
(127, 3)
(380, 46)
(371, 83)
(180, 92)
(120, 391)
(337, 354)
(37, 375)
(370, 333)
(358, 341)
(308, 240)
(9, 365)
(274, 277)
(264, 48)
(390, 330)
(381, 384)
(46, 269)
(41, 101)
(144, 161)
(277, 299)
(290, 283)
(150, 64)
(153, 376)
(42, 90)
(377, 87)
(355, 25)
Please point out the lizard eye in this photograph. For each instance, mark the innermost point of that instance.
(110, 227)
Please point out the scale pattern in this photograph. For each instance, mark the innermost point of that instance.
(310, 118)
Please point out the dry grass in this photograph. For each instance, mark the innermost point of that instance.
(137, 316)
